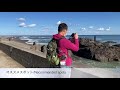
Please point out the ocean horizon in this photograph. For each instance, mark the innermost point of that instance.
(44, 39)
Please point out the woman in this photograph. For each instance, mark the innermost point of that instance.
(64, 45)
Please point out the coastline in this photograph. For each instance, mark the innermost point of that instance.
(43, 39)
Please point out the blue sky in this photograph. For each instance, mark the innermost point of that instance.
(46, 23)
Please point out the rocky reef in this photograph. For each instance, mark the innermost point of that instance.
(95, 50)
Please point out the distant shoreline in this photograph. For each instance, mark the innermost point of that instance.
(111, 41)
(51, 35)
(42, 43)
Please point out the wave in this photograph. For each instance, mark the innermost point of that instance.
(40, 37)
(45, 39)
(23, 38)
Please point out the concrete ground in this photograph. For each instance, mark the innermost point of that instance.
(81, 74)
(95, 73)
(8, 62)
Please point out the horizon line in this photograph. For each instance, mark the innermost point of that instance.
(66, 35)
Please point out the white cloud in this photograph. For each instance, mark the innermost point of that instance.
(22, 25)
(91, 27)
(108, 29)
(32, 25)
(101, 29)
(21, 19)
(59, 22)
(83, 29)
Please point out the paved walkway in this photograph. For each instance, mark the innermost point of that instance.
(8, 62)
(95, 73)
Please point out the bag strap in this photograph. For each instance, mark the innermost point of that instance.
(59, 40)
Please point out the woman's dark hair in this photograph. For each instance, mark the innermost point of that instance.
(34, 43)
(62, 26)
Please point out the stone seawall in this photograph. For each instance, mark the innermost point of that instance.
(27, 59)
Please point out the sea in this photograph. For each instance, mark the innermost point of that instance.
(44, 39)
